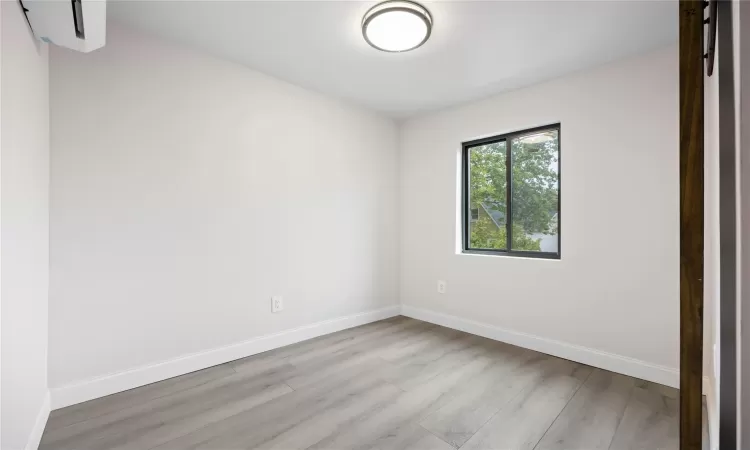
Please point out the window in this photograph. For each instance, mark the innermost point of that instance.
(511, 194)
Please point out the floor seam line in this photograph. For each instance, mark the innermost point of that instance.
(562, 409)
(499, 409)
(484, 424)
(430, 431)
(619, 422)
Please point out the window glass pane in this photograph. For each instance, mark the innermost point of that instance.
(487, 190)
(535, 193)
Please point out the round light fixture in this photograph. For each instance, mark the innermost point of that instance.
(397, 25)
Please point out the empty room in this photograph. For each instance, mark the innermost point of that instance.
(372, 225)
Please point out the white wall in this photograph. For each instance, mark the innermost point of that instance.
(620, 176)
(187, 190)
(24, 230)
(711, 248)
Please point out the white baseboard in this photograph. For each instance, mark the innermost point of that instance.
(712, 410)
(41, 421)
(589, 356)
(129, 379)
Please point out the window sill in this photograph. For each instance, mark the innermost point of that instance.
(521, 255)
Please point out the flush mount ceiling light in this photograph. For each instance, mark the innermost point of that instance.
(397, 26)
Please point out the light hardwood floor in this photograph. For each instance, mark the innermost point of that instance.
(392, 385)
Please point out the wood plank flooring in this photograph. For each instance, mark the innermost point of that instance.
(397, 384)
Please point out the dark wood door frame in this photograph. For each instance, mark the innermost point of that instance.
(691, 223)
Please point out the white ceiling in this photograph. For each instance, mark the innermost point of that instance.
(477, 48)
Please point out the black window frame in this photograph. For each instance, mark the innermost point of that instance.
(466, 214)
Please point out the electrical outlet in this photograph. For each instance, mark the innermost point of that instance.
(277, 303)
(441, 286)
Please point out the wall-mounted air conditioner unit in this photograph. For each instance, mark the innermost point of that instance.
(76, 24)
